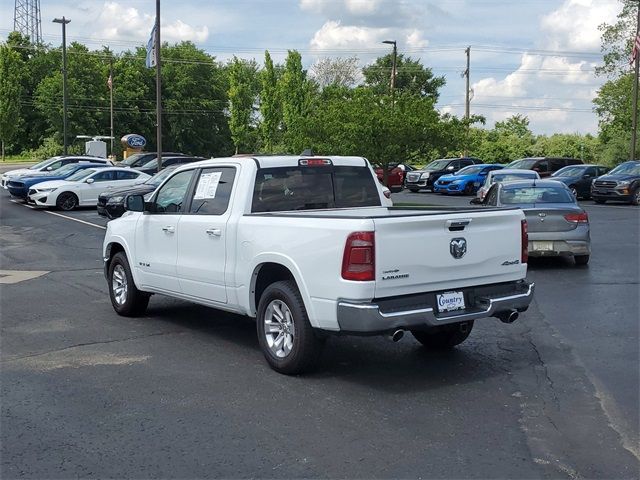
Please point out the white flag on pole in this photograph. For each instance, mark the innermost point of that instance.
(151, 49)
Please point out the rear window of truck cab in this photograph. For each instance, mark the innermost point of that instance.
(283, 189)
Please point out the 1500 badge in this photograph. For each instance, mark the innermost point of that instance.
(393, 275)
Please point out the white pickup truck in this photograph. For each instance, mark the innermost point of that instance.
(305, 245)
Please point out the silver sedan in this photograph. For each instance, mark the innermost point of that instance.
(557, 225)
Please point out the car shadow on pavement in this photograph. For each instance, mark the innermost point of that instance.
(374, 362)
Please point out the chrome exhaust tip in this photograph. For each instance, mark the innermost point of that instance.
(508, 316)
(397, 335)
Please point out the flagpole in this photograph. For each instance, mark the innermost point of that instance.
(111, 101)
(158, 88)
(634, 120)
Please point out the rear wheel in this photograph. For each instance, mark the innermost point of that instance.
(126, 299)
(448, 337)
(67, 201)
(581, 259)
(285, 335)
(574, 190)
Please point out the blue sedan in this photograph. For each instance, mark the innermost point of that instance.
(19, 187)
(465, 181)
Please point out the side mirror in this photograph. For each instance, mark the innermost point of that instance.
(450, 168)
(135, 203)
(90, 180)
(49, 169)
(587, 175)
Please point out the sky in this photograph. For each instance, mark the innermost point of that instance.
(532, 57)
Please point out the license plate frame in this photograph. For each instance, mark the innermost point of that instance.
(542, 246)
(450, 301)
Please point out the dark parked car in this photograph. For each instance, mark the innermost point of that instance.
(396, 175)
(19, 187)
(139, 159)
(621, 184)
(111, 202)
(151, 167)
(545, 166)
(579, 178)
(557, 225)
(425, 178)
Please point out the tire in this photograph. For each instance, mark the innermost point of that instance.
(448, 337)
(468, 189)
(600, 201)
(126, 299)
(67, 201)
(581, 259)
(635, 197)
(574, 190)
(281, 311)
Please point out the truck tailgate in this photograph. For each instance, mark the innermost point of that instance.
(414, 253)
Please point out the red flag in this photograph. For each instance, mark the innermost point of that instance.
(636, 49)
(110, 82)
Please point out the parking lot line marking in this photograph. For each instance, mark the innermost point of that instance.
(23, 204)
(75, 219)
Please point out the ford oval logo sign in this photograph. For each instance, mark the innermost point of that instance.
(134, 141)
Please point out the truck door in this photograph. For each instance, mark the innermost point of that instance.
(157, 235)
(202, 235)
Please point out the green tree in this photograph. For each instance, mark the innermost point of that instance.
(297, 94)
(336, 71)
(613, 103)
(11, 75)
(270, 104)
(243, 86)
(411, 76)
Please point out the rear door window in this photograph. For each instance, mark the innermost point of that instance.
(212, 191)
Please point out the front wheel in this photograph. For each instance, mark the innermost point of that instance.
(468, 189)
(126, 299)
(67, 201)
(285, 335)
(581, 259)
(448, 337)
(635, 197)
(574, 191)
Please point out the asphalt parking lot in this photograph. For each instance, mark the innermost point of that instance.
(184, 391)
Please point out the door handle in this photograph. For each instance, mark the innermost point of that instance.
(214, 232)
(169, 229)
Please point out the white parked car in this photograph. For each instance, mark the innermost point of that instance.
(306, 246)
(49, 165)
(503, 175)
(83, 188)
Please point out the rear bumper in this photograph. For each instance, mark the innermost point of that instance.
(419, 312)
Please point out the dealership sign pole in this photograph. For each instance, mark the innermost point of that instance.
(153, 60)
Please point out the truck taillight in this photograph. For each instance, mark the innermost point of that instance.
(359, 260)
(524, 242)
(581, 217)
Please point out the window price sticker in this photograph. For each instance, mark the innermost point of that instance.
(207, 185)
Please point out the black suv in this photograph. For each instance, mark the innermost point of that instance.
(151, 167)
(426, 177)
(139, 159)
(545, 166)
(621, 184)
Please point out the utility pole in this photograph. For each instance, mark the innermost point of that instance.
(158, 88)
(393, 71)
(64, 22)
(634, 120)
(467, 102)
(111, 100)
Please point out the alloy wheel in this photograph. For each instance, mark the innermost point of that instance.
(119, 284)
(279, 329)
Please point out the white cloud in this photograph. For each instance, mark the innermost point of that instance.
(574, 26)
(334, 35)
(120, 22)
(415, 39)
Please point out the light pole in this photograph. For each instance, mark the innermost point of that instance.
(64, 22)
(393, 71)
